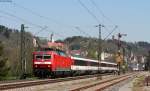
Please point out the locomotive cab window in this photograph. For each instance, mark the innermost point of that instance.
(38, 57)
(47, 57)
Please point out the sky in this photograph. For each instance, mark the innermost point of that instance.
(66, 18)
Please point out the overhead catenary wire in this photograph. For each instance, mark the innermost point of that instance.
(111, 32)
(39, 15)
(45, 17)
(40, 30)
(101, 12)
(19, 18)
(77, 28)
(103, 15)
(6, 18)
(93, 15)
(58, 34)
(46, 28)
(28, 22)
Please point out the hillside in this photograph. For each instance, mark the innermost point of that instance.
(110, 46)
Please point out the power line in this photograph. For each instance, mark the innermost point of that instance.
(46, 28)
(111, 32)
(101, 12)
(58, 34)
(21, 19)
(77, 28)
(47, 18)
(39, 15)
(44, 17)
(91, 12)
(40, 30)
(94, 16)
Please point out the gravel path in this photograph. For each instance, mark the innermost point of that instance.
(127, 87)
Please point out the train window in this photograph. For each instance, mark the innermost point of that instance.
(47, 57)
(103, 65)
(110, 65)
(94, 63)
(80, 62)
(85, 63)
(88, 63)
(38, 57)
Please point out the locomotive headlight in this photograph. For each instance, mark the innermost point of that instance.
(49, 66)
(35, 66)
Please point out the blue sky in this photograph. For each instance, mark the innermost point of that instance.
(132, 17)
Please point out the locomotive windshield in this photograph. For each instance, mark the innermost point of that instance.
(38, 57)
(45, 56)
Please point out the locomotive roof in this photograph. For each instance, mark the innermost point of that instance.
(41, 52)
(51, 49)
(48, 50)
(85, 59)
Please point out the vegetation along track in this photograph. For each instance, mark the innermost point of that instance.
(19, 84)
(104, 84)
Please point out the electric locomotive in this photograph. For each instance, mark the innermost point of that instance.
(51, 63)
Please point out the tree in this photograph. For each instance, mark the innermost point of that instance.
(4, 69)
(7, 33)
(147, 64)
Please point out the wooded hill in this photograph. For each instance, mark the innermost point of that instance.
(110, 46)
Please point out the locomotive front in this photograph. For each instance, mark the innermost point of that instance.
(42, 63)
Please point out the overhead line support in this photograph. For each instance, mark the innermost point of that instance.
(99, 46)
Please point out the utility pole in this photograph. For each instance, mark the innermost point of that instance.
(99, 47)
(23, 53)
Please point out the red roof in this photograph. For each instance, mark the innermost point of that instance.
(55, 44)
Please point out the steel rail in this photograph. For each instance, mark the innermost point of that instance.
(103, 82)
(20, 84)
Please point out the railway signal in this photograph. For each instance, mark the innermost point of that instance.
(119, 55)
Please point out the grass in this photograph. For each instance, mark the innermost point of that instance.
(9, 78)
(138, 83)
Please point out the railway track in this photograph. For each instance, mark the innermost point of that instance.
(27, 83)
(99, 86)
(12, 81)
